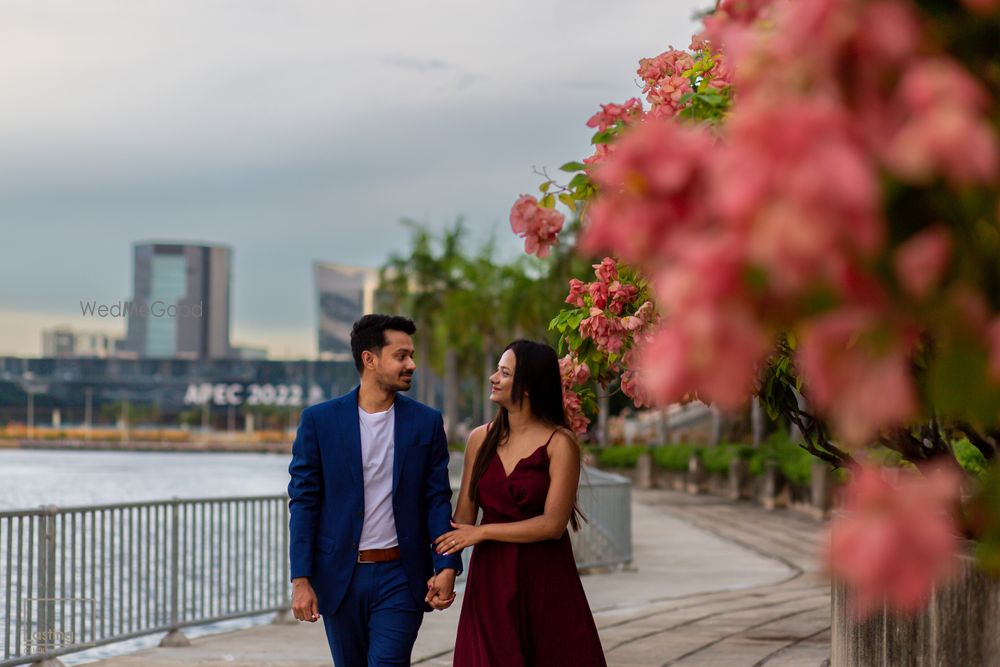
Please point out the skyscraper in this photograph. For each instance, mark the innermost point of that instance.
(344, 293)
(180, 305)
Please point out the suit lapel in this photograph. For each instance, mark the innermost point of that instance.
(402, 435)
(351, 439)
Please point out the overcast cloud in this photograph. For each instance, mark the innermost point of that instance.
(291, 130)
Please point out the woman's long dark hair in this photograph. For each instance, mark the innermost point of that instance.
(536, 375)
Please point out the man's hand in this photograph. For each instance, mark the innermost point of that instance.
(304, 605)
(441, 589)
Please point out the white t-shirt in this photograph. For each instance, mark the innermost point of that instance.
(377, 445)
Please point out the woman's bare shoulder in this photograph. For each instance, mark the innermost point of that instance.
(564, 440)
(476, 438)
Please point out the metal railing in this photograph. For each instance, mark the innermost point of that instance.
(77, 577)
(72, 578)
(605, 537)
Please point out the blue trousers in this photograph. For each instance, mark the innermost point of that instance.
(377, 622)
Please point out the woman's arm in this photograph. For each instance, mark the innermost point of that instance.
(466, 508)
(564, 476)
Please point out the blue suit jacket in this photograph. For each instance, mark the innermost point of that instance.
(327, 500)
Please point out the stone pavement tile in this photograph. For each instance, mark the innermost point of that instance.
(812, 652)
(758, 645)
(661, 650)
(694, 612)
(700, 636)
(300, 645)
(673, 558)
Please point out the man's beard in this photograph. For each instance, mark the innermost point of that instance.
(399, 383)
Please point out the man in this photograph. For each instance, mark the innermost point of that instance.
(369, 492)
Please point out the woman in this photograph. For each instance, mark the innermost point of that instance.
(524, 603)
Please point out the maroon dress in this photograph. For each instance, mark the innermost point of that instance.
(524, 603)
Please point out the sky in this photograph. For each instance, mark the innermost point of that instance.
(290, 130)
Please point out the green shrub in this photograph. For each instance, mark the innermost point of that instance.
(675, 457)
(969, 457)
(620, 456)
(794, 461)
(716, 459)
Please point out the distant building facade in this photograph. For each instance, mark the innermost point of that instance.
(172, 385)
(181, 303)
(343, 294)
(67, 342)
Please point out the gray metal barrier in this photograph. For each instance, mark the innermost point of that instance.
(77, 577)
(72, 578)
(605, 538)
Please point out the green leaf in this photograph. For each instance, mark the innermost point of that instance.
(567, 199)
(579, 181)
(548, 201)
(959, 386)
(605, 137)
(544, 187)
(573, 166)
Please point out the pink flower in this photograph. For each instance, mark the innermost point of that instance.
(896, 537)
(538, 226)
(631, 382)
(621, 294)
(577, 288)
(652, 184)
(946, 131)
(921, 261)
(607, 333)
(729, 27)
(644, 316)
(887, 31)
(574, 412)
(713, 352)
(857, 371)
(601, 153)
(796, 181)
(665, 80)
(607, 270)
(614, 113)
(574, 373)
(647, 312)
(598, 294)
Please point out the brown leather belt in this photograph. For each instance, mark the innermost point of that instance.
(378, 555)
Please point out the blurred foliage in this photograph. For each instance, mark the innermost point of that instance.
(620, 456)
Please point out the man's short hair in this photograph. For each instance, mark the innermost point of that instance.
(369, 334)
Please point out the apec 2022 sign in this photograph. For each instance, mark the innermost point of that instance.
(236, 393)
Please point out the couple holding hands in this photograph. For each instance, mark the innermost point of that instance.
(374, 545)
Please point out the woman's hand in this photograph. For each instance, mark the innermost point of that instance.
(464, 535)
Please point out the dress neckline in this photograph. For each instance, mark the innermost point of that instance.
(506, 475)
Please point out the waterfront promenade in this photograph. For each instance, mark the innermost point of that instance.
(715, 583)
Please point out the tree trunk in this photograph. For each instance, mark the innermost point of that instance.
(602, 418)
(423, 359)
(756, 421)
(716, 425)
(488, 364)
(450, 391)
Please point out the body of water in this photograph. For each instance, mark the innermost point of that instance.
(29, 478)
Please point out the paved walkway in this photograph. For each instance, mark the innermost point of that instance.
(715, 583)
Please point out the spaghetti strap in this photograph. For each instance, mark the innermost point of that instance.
(550, 438)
